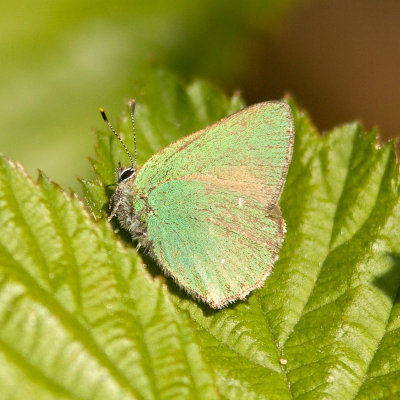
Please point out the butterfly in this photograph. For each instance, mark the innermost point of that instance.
(206, 206)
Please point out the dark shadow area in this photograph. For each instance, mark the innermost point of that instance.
(389, 282)
(109, 189)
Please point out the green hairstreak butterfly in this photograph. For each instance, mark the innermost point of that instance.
(206, 207)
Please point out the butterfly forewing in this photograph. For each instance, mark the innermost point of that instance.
(251, 148)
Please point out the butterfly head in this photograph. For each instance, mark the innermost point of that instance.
(124, 174)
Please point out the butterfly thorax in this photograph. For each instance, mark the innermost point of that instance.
(130, 206)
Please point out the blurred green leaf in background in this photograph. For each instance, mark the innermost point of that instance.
(61, 60)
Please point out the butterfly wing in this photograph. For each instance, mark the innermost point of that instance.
(216, 227)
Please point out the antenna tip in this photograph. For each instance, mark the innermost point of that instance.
(103, 114)
(132, 103)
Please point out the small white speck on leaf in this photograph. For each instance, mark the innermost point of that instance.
(283, 361)
(240, 202)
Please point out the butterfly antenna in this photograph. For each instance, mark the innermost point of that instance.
(103, 114)
(132, 104)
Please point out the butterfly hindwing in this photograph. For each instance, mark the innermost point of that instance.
(215, 244)
(215, 226)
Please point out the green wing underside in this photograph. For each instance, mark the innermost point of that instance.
(214, 243)
(216, 227)
(251, 149)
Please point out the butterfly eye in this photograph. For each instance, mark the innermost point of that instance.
(126, 174)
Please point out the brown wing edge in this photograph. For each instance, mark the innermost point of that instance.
(277, 215)
(289, 153)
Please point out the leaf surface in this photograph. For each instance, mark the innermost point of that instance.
(83, 316)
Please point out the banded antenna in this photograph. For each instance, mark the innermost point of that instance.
(132, 107)
(132, 104)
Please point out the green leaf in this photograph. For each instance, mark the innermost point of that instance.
(80, 317)
(83, 316)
